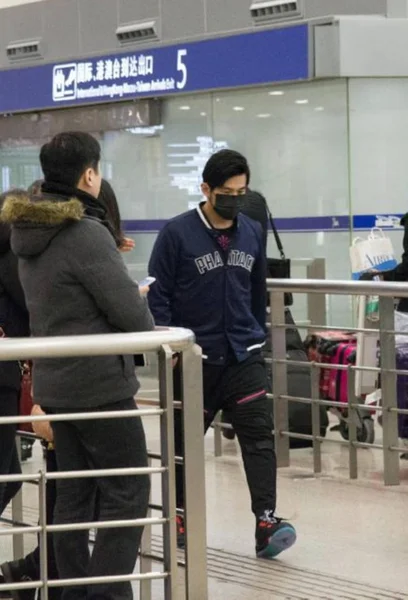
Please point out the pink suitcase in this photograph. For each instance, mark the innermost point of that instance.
(338, 380)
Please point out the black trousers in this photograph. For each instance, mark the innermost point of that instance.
(9, 462)
(100, 444)
(32, 560)
(240, 388)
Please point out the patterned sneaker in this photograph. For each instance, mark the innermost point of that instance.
(181, 533)
(273, 535)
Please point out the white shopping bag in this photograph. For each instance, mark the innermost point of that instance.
(367, 352)
(401, 326)
(376, 253)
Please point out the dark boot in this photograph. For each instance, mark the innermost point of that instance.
(16, 572)
(4, 593)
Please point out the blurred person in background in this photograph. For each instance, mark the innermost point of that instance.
(26, 442)
(75, 282)
(14, 322)
(255, 208)
(108, 198)
(400, 273)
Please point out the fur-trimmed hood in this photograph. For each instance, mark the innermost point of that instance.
(35, 221)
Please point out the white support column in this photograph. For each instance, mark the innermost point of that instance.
(397, 9)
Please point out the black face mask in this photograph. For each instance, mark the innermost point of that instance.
(228, 207)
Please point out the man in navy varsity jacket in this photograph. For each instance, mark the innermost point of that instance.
(210, 268)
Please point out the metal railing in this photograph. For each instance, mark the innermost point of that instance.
(316, 309)
(165, 342)
(316, 313)
(386, 292)
(387, 371)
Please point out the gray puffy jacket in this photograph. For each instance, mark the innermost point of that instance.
(75, 283)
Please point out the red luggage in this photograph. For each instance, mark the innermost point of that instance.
(345, 354)
(322, 347)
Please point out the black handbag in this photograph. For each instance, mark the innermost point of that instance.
(279, 268)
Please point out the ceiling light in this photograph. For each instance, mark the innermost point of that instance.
(319, 108)
(276, 93)
(238, 108)
(263, 115)
(303, 101)
(203, 114)
(184, 107)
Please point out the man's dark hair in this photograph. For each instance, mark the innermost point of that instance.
(223, 165)
(67, 156)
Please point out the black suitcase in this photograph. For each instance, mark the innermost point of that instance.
(299, 384)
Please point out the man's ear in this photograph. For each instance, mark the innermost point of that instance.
(205, 188)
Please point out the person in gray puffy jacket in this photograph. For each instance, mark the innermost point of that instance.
(75, 282)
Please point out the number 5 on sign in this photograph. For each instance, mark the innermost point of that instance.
(181, 66)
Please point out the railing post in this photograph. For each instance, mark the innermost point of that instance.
(217, 435)
(352, 422)
(169, 477)
(17, 513)
(397, 9)
(145, 586)
(43, 535)
(194, 475)
(317, 446)
(279, 378)
(316, 303)
(389, 391)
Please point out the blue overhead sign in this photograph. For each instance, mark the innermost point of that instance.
(271, 56)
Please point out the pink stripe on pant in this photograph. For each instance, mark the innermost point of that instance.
(252, 397)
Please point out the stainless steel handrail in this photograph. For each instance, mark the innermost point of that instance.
(386, 292)
(347, 288)
(177, 339)
(164, 341)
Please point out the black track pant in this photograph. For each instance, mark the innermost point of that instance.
(9, 463)
(241, 388)
(100, 444)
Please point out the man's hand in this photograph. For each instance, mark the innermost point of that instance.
(144, 290)
(42, 429)
(127, 245)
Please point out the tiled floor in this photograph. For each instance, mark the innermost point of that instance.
(353, 536)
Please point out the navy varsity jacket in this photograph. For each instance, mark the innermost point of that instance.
(220, 295)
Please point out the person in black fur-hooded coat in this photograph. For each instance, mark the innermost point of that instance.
(14, 322)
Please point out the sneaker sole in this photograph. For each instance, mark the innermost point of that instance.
(279, 542)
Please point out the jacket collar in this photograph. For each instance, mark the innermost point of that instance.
(207, 223)
(202, 216)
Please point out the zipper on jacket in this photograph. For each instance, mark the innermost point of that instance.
(226, 254)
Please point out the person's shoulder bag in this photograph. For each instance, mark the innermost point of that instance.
(278, 268)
